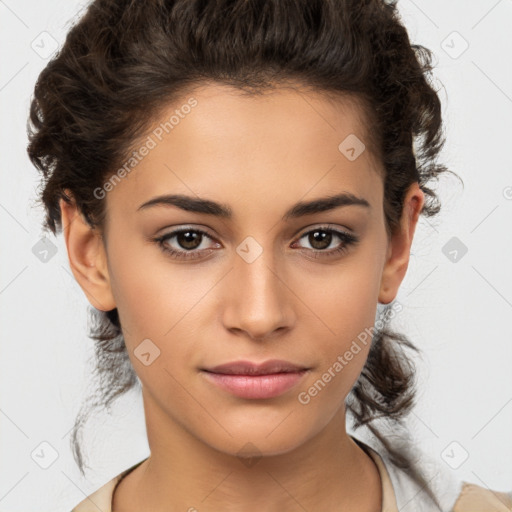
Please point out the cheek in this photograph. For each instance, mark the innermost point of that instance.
(345, 301)
(151, 294)
(346, 296)
(162, 302)
(154, 306)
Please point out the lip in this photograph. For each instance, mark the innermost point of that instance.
(250, 380)
(256, 386)
(269, 367)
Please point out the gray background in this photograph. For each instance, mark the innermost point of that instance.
(457, 312)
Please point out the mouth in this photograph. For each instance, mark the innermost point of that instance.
(256, 381)
(270, 367)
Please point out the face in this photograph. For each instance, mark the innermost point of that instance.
(264, 281)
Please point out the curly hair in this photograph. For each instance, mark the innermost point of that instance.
(123, 61)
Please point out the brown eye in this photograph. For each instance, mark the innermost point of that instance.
(187, 243)
(321, 238)
(189, 239)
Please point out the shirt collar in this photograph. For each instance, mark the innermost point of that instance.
(388, 494)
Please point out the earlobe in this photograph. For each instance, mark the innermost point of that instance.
(399, 249)
(86, 256)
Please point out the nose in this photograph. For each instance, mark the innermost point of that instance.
(257, 298)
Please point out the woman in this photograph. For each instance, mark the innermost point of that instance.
(238, 184)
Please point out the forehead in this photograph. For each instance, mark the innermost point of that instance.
(309, 111)
(281, 145)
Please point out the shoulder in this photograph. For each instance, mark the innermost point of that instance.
(101, 499)
(474, 498)
(401, 492)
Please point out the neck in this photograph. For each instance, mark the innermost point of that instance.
(327, 472)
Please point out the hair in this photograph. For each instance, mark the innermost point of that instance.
(124, 61)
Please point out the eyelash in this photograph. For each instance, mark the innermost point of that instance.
(347, 239)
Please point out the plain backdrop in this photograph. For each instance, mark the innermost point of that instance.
(457, 294)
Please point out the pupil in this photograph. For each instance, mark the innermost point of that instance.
(188, 239)
(322, 237)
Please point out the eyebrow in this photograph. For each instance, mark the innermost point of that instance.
(208, 207)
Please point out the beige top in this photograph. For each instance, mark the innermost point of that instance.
(465, 496)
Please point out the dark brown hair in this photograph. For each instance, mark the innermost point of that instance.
(123, 61)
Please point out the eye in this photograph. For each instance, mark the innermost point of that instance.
(322, 237)
(187, 238)
(189, 241)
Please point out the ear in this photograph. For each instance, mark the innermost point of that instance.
(87, 256)
(399, 247)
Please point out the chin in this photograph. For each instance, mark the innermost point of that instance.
(256, 442)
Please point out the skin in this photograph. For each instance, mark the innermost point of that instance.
(259, 155)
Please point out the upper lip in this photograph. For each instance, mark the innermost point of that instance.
(250, 368)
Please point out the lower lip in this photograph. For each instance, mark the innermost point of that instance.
(256, 386)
